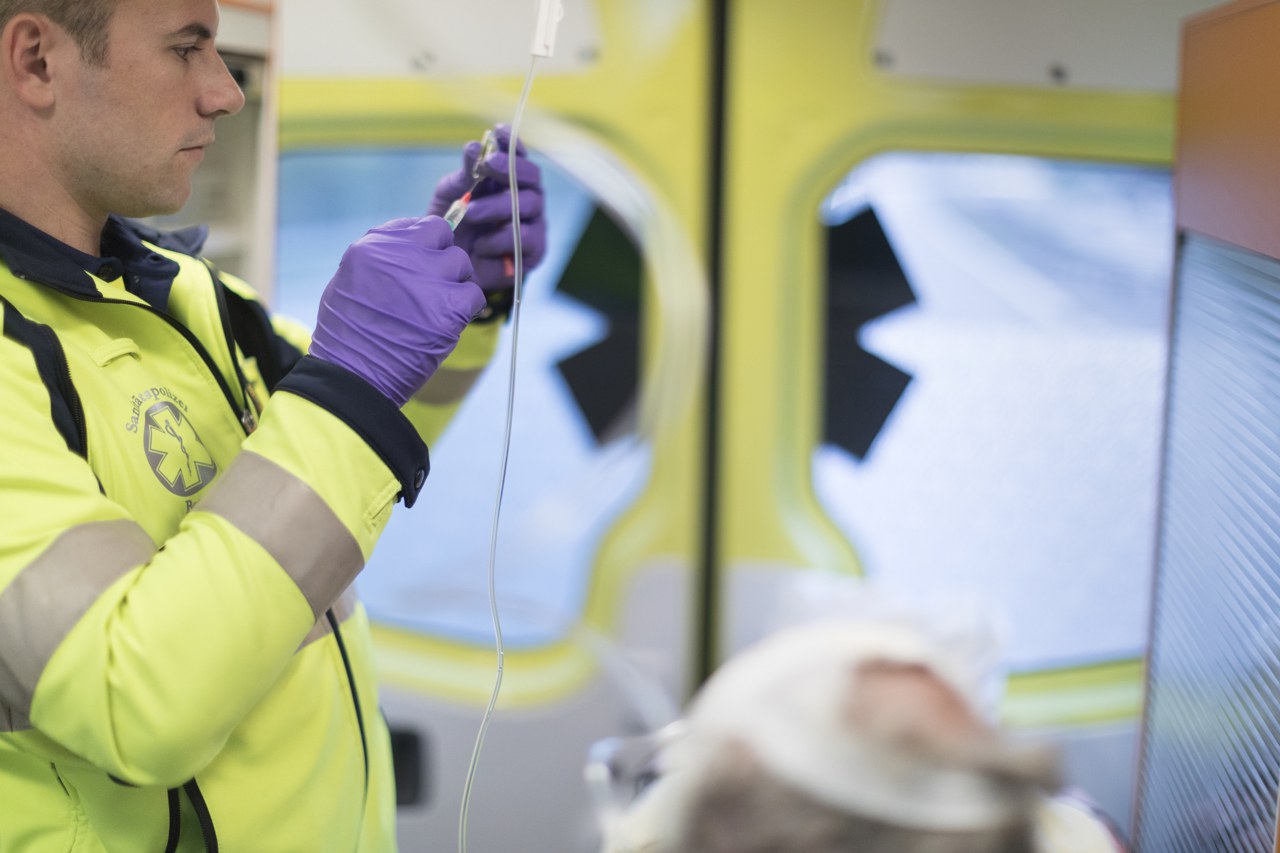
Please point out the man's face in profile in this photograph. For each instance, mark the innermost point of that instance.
(131, 131)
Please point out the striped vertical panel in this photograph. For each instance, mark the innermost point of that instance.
(1211, 756)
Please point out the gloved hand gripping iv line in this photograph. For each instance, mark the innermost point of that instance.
(544, 36)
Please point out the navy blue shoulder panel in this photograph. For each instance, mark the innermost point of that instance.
(51, 364)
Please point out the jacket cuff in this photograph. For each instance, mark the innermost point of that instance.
(369, 413)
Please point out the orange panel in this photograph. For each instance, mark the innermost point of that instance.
(1227, 172)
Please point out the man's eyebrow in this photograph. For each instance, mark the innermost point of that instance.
(193, 29)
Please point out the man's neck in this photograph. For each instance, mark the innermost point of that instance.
(38, 199)
(67, 225)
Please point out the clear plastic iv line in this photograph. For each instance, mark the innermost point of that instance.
(518, 264)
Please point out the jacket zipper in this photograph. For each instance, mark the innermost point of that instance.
(195, 344)
(248, 418)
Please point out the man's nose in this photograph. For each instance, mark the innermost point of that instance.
(221, 95)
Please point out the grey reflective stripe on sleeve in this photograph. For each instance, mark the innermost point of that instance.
(343, 608)
(447, 386)
(286, 517)
(48, 597)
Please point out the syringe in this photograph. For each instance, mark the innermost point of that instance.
(458, 209)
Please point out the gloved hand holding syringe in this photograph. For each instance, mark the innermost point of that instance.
(476, 202)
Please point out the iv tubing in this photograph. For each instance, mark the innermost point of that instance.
(518, 265)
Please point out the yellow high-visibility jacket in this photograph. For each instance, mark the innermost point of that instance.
(185, 500)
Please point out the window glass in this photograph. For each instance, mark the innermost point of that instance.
(995, 383)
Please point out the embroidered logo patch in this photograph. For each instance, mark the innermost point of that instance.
(175, 451)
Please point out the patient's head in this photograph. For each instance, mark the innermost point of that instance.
(838, 737)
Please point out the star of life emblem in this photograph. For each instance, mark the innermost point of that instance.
(178, 457)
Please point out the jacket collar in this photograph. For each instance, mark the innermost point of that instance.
(32, 254)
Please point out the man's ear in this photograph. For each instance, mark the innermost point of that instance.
(25, 47)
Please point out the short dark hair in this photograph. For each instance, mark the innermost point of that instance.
(85, 21)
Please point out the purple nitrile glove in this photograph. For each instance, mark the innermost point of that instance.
(393, 311)
(485, 231)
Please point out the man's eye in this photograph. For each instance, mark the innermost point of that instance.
(185, 51)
